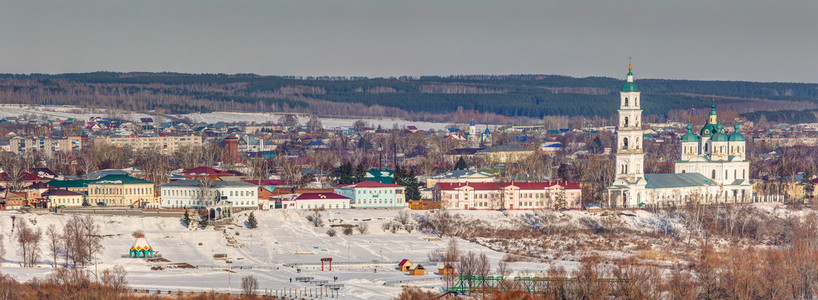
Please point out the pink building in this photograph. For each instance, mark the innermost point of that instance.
(508, 195)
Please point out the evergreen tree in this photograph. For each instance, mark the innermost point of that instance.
(344, 174)
(461, 164)
(412, 188)
(186, 218)
(251, 221)
(360, 174)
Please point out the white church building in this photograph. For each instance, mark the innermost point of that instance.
(712, 168)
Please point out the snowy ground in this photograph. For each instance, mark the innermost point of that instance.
(64, 112)
(282, 238)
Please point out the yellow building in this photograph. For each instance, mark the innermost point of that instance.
(64, 198)
(167, 144)
(121, 190)
(504, 154)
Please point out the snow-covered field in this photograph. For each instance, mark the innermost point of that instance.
(64, 112)
(283, 238)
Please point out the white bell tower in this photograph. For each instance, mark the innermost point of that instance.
(629, 155)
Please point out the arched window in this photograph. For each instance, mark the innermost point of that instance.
(625, 143)
(705, 147)
(626, 101)
(626, 121)
(713, 176)
(683, 171)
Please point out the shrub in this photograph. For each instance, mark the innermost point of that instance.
(362, 227)
(348, 230)
(331, 232)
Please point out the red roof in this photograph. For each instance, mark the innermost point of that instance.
(26, 176)
(267, 182)
(319, 196)
(403, 262)
(366, 184)
(205, 171)
(486, 186)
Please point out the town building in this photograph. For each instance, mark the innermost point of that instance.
(120, 190)
(371, 194)
(168, 144)
(712, 167)
(64, 198)
(319, 201)
(458, 176)
(193, 194)
(508, 195)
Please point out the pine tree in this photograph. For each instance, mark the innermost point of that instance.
(251, 221)
(186, 218)
(412, 189)
(461, 164)
(360, 174)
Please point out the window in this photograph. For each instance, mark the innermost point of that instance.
(626, 101)
(713, 176)
(625, 143)
(626, 121)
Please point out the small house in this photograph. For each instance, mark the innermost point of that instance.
(418, 270)
(445, 270)
(404, 265)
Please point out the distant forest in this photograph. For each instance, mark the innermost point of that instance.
(510, 96)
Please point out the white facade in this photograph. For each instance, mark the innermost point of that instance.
(517, 195)
(712, 168)
(190, 194)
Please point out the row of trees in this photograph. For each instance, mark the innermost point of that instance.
(77, 244)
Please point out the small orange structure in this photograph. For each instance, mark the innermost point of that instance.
(404, 265)
(418, 270)
(445, 270)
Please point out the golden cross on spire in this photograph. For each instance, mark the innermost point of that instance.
(629, 63)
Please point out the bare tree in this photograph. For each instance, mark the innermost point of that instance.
(29, 241)
(249, 285)
(503, 268)
(483, 266)
(54, 241)
(115, 278)
(82, 240)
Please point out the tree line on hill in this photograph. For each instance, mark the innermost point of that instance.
(530, 96)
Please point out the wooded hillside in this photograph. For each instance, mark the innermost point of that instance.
(531, 96)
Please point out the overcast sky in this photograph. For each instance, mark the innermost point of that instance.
(758, 40)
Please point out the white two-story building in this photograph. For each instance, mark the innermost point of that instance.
(192, 194)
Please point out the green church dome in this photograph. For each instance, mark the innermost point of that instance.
(709, 130)
(630, 87)
(719, 137)
(736, 136)
(689, 136)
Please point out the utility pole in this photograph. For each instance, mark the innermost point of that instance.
(228, 275)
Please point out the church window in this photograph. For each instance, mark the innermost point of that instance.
(742, 174)
(725, 174)
(626, 101)
(683, 171)
(705, 147)
(713, 176)
(735, 172)
(625, 143)
(626, 121)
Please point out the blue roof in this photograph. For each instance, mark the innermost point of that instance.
(472, 123)
(677, 180)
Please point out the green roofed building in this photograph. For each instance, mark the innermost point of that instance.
(712, 167)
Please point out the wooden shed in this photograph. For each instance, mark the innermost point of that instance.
(445, 270)
(404, 265)
(418, 270)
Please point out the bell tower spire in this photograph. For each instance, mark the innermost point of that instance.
(629, 155)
